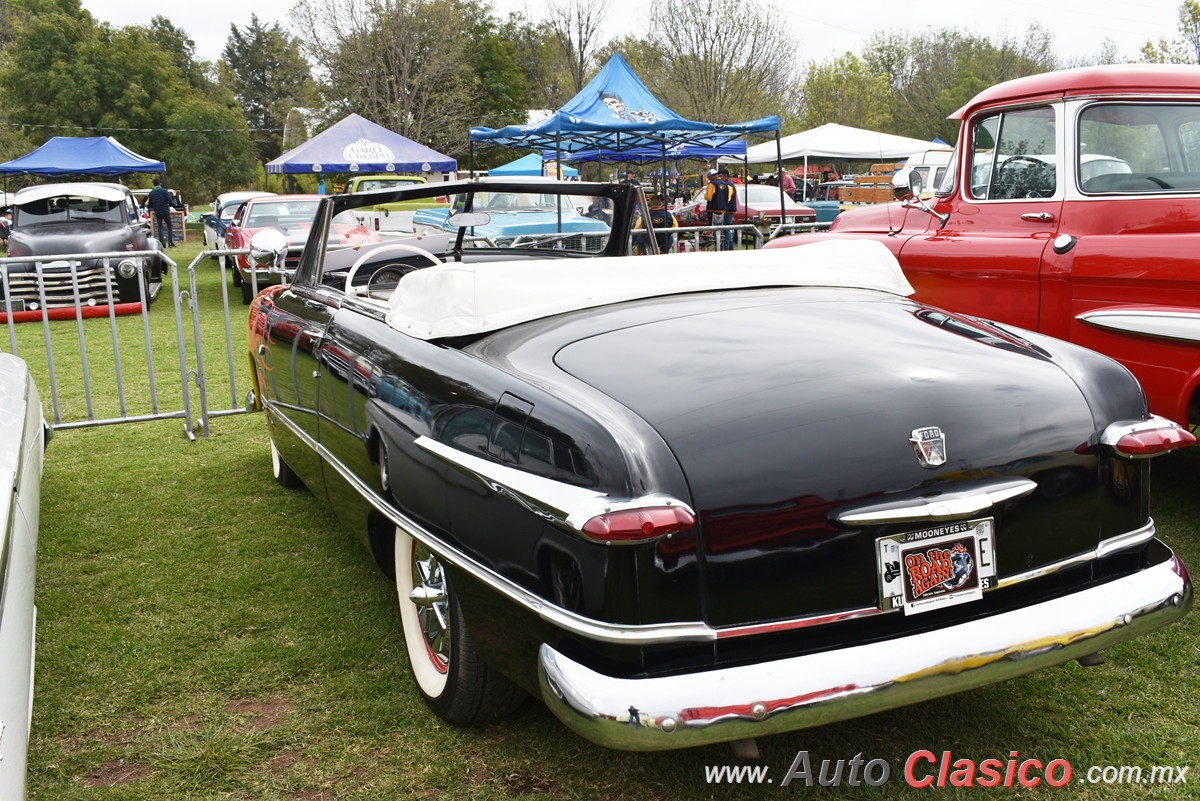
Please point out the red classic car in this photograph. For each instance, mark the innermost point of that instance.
(293, 215)
(1072, 208)
(763, 206)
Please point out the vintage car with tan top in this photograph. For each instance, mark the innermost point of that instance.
(691, 498)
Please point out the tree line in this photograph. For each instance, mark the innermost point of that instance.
(431, 69)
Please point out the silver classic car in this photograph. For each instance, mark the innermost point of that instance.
(56, 220)
(23, 435)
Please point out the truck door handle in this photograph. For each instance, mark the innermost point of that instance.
(1040, 216)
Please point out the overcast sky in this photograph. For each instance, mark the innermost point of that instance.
(819, 29)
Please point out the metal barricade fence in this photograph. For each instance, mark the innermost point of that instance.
(32, 301)
(695, 235)
(56, 309)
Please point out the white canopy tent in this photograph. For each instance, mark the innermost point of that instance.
(838, 142)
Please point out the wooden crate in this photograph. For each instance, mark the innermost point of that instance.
(875, 188)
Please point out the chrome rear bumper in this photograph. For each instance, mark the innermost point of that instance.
(654, 714)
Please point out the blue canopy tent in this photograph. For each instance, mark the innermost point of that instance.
(356, 144)
(616, 112)
(532, 164)
(81, 155)
(701, 150)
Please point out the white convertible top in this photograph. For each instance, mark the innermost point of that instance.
(450, 300)
(114, 193)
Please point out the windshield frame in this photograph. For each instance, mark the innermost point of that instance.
(116, 213)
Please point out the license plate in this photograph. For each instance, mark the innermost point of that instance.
(936, 567)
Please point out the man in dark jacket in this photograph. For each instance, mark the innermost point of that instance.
(721, 202)
(159, 201)
(660, 218)
(6, 224)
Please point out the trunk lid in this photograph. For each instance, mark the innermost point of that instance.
(781, 411)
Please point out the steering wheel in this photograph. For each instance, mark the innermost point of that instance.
(1035, 179)
(352, 292)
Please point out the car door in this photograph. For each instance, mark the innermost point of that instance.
(233, 231)
(1004, 214)
(1126, 283)
(297, 318)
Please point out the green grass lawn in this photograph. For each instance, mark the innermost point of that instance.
(204, 633)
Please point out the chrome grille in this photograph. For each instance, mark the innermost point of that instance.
(57, 284)
(589, 243)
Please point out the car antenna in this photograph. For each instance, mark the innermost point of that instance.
(888, 204)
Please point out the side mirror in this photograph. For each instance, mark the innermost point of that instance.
(906, 184)
(268, 248)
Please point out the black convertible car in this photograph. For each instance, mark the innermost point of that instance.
(704, 497)
(55, 220)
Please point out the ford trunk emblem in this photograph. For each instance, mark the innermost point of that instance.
(930, 445)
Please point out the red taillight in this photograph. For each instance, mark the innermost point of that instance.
(629, 525)
(1140, 444)
(1146, 438)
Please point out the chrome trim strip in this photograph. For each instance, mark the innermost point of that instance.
(683, 711)
(634, 634)
(1106, 547)
(942, 507)
(553, 500)
(799, 622)
(1046, 570)
(647, 634)
(1129, 539)
(1166, 324)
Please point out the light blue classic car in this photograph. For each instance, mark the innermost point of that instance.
(524, 219)
(824, 200)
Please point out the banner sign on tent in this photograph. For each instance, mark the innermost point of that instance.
(615, 111)
(355, 144)
(366, 150)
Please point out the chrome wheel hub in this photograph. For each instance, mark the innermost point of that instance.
(432, 602)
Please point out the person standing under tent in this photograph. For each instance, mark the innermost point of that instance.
(159, 201)
(660, 218)
(721, 201)
(6, 224)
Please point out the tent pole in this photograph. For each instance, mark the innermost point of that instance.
(779, 176)
(618, 150)
(663, 191)
(472, 159)
(557, 172)
(805, 195)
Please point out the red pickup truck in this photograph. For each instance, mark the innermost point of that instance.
(1072, 207)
